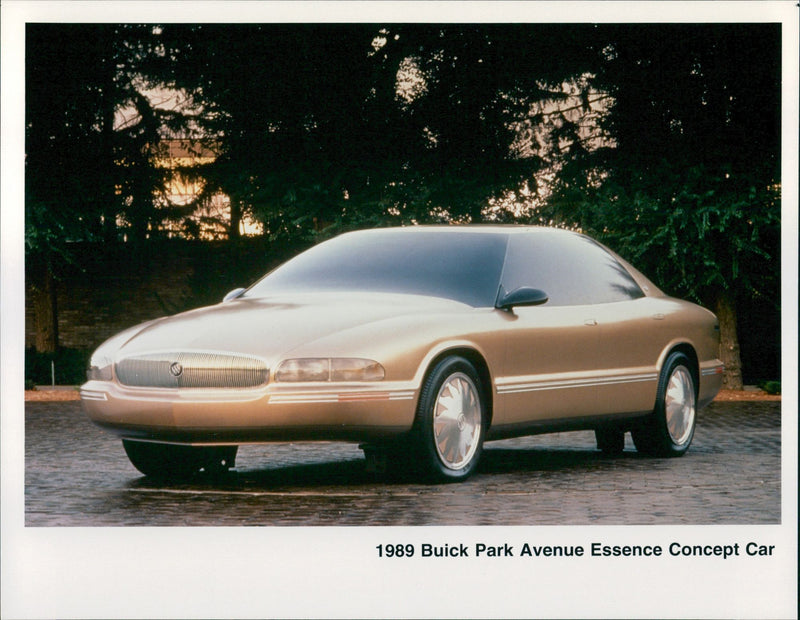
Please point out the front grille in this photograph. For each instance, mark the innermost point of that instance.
(192, 370)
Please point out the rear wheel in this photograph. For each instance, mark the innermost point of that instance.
(171, 461)
(669, 430)
(451, 421)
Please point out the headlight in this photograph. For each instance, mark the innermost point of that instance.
(329, 369)
(346, 369)
(99, 368)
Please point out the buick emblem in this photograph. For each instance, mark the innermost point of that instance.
(175, 369)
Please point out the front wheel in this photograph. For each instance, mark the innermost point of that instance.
(669, 430)
(171, 461)
(451, 421)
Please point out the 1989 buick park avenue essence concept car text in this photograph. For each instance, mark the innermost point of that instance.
(420, 343)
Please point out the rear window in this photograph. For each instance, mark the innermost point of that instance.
(463, 266)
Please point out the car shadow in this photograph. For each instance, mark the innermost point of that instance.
(529, 460)
(352, 474)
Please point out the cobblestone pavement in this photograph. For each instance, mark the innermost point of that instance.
(78, 475)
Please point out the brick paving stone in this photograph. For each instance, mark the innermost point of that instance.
(77, 474)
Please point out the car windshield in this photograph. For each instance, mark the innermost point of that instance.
(463, 266)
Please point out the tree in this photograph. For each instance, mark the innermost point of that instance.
(82, 174)
(352, 125)
(661, 139)
(689, 186)
(64, 189)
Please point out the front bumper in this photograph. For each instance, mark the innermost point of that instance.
(349, 412)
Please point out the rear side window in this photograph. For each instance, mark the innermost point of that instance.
(570, 268)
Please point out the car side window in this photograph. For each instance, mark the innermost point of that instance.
(570, 268)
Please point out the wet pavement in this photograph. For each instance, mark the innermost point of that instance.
(78, 475)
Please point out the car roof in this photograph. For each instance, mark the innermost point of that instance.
(472, 228)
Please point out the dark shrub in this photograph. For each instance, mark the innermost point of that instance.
(70, 367)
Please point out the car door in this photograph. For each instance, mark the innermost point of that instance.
(632, 336)
(553, 357)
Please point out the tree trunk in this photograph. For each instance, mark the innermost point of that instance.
(108, 194)
(725, 308)
(236, 218)
(46, 313)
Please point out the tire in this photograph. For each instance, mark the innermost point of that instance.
(610, 440)
(669, 430)
(171, 461)
(450, 423)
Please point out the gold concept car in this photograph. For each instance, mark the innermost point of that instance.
(420, 343)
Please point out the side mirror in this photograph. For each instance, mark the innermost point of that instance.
(233, 294)
(522, 296)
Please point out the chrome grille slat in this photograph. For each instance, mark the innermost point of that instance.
(198, 370)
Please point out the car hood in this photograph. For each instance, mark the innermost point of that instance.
(269, 327)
